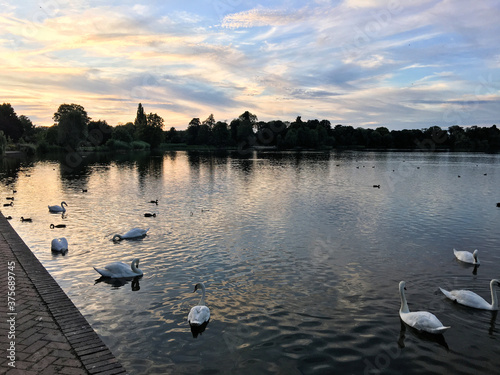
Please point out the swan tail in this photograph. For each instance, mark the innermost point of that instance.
(102, 272)
(447, 294)
(442, 329)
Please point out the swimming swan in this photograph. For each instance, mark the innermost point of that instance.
(57, 208)
(132, 233)
(420, 320)
(120, 270)
(471, 299)
(199, 314)
(59, 245)
(466, 256)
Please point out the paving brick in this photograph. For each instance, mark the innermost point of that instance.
(36, 346)
(67, 362)
(43, 363)
(50, 370)
(73, 371)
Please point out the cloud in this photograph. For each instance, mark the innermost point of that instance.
(261, 17)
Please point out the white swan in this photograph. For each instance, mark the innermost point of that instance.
(132, 233)
(120, 270)
(57, 208)
(466, 256)
(200, 313)
(60, 245)
(420, 320)
(471, 299)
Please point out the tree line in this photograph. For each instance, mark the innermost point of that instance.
(73, 129)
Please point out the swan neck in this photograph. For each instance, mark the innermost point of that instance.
(494, 296)
(404, 305)
(134, 267)
(202, 299)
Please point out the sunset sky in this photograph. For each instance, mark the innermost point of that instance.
(365, 63)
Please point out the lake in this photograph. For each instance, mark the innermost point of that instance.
(301, 256)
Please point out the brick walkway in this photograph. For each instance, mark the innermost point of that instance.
(51, 335)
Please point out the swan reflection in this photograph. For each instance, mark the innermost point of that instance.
(474, 271)
(119, 282)
(199, 329)
(421, 335)
(493, 319)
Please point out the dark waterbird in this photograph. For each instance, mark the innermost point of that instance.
(376, 186)
(498, 204)
(8, 204)
(10, 198)
(147, 214)
(26, 219)
(52, 226)
(155, 202)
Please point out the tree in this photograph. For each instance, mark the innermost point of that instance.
(10, 123)
(192, 131)
(3, 143)
(249, 117)
(141, 118)
(27, 127)
(123, 133)
(203, 136)
(242, 127)
(221, 135)
(210, 121)
(152, 133)
(72, 129)
(172, 136)
(99, 132)
(66, 108)
(72, 124)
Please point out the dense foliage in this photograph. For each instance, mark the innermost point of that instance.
(74, 129)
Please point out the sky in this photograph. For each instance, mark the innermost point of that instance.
(363, 63)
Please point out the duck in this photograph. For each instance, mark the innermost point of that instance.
(57, 208)
(52, 226)
(84, 190)
(147, 214)
(471, 299)
(155, 202)
(498, 204)
(376, 186)
(117, 270)
(8, 204)
(27, 219)
(9, 217)
(199, 314)
(467, 256)
(59, 245)
(9, 198)
(420, 320)
(132, 233)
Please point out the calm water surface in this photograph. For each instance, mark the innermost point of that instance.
(300, 254)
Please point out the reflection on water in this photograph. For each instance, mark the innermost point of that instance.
(119, 282)
(199, 329)
(421, 335)
(302, 256)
